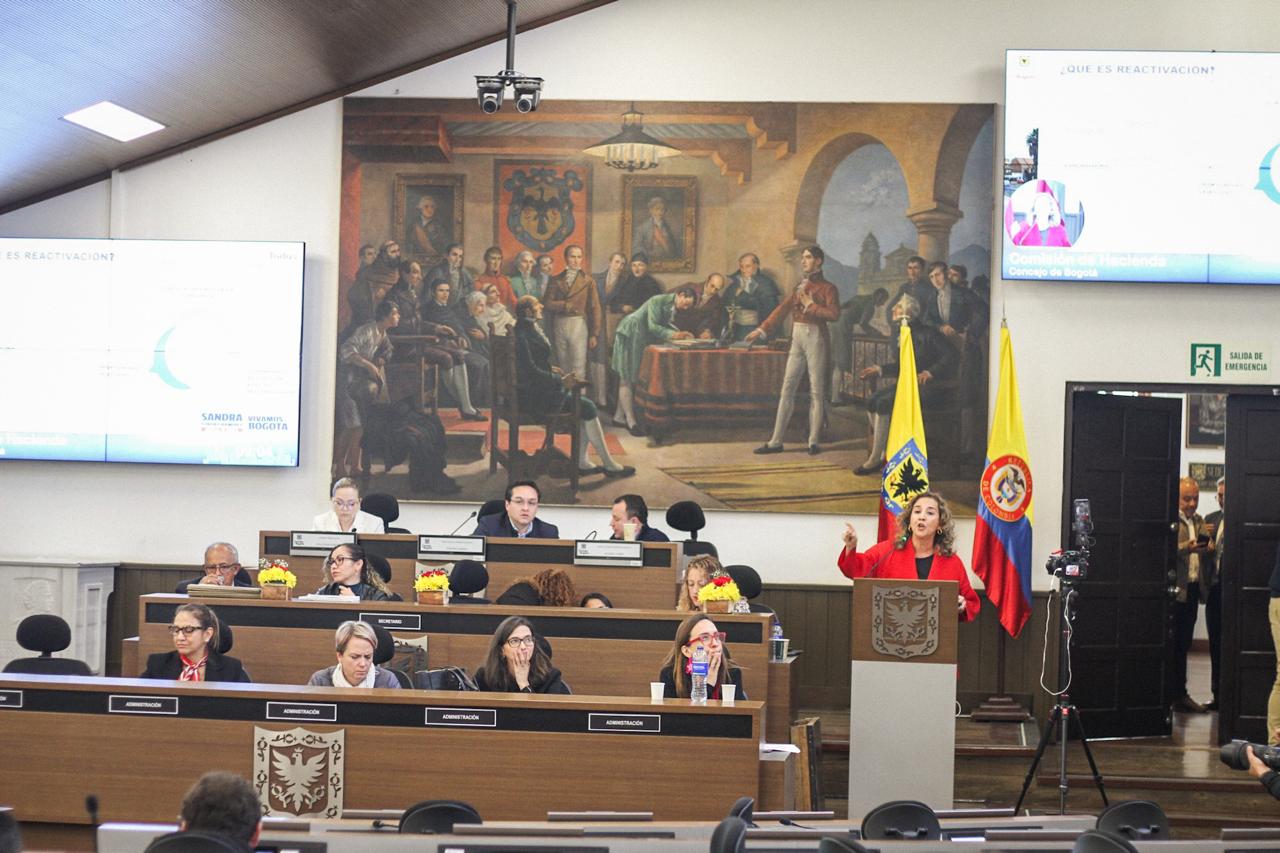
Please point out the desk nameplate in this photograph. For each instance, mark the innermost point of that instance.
(448, 548)
(608, 552)
(629, 724)
(311, 543)
(10, 698)
(462, 717)
(312, 712)
(122, 704)
(393, 621)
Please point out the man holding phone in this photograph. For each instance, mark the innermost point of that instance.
(1195, 551)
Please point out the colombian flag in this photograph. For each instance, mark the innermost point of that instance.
(906, 470)
(1002, 538)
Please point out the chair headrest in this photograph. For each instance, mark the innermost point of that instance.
(492, 507)
(747, 579)
(386, 649)
(437, 816)
(379, 564)
(44, 633)
(468, 576)
(384, 506)
(686, 516)
(226, 638)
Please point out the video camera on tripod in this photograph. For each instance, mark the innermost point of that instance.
(1073, 566)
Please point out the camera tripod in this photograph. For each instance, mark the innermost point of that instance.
(1061, 716)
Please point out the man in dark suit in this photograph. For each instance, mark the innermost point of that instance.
(520, 518)
(1211, 576)
(450, 269)
(751, 296)
(221, 568)
(225, 805)
(1195, 550)
(631, 509)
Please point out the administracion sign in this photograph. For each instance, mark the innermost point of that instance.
(1230, 362)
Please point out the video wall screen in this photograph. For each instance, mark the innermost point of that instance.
(1141, 166)
(169, 351)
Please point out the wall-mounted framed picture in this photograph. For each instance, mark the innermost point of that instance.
(427, 215)
(1207, 474)
(1206, 420)
(659, 218)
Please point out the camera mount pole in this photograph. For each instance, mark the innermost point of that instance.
(1062, 714)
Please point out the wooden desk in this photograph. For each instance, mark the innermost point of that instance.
(541, 753)
(651, 587)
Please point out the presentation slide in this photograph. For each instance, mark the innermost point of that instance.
(1137, 166)
(169, 351)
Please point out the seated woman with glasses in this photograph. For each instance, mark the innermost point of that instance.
(346, 515)
(677, 669)
(348, 573)
(195, 657)
(516, 663)
(355, 643)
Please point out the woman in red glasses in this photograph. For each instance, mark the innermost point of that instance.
(696, 631)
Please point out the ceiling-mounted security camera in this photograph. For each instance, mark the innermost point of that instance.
(489, 89)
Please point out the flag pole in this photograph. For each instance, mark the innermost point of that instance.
(999, 707)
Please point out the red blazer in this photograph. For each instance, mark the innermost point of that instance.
(882, 560)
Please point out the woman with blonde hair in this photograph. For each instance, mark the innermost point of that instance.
(694, 632)
(696, 575)
(355, 644)
(923, 548)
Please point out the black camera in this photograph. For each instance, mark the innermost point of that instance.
(1234, 756)
(1068, 565)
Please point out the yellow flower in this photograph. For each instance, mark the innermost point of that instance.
(275, 574)
(434, 579)
(724, 590)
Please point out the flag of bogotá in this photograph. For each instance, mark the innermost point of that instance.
(1002, 538)
(906, 471)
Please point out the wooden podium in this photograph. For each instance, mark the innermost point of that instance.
(902, 693)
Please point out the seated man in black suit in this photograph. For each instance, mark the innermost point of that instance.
(221, 568)
(631, 509)
(520, 518)
(225, 805)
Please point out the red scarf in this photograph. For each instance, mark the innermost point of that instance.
(191, 671)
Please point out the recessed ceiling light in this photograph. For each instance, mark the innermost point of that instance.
(114, 120)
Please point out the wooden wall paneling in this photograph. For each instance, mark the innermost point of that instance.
(132, 581)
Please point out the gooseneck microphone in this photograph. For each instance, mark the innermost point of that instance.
(474, 513)
(592, 534)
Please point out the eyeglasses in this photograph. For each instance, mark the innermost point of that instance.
(708, 639)
(345, 504)
(184, 630)
(221, 567)
(517, 642)
(341, 558)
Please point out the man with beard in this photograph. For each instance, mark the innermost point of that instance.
(812, 305)
(438, 318)
(493, 276)
(706, 320)
(450, 269)
(936, 365)
(429, 236)
(751, 296)
(372, 284)
(526, 281)
(655, 236)
(572, 304)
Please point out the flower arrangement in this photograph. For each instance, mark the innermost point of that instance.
(720, 588)
(276, 572)
(431, 579)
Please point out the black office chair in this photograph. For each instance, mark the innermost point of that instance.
(226, 638)
(901, 820)
(1139, 820)
(193, 842)
(839, 845)
(385, 507)
(688, 517)
(445, 678)
(385, 651)
(437, 816)
(492, 507)
(748, 581)
(729, 836)
(467, 578)
(1097, 841)
(743, 808)
(46, 633)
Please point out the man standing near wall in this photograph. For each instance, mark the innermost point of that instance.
(812, 305)
(1211, 579)
(1195, 549)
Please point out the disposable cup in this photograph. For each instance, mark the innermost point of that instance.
(728, 693)
(656, 691)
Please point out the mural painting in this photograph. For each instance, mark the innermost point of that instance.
(726, 320)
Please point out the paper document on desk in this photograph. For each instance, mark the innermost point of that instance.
(777, 751)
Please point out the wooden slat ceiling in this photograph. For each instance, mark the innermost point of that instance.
(206, 68)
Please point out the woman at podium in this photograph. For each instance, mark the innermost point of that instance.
(923, 548)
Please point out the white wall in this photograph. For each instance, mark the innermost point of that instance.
(280, 181)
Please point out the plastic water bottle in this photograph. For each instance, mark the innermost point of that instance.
(701, 663)
(775, 640)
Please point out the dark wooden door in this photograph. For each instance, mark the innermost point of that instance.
(1124, 458)
(1252, 517)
